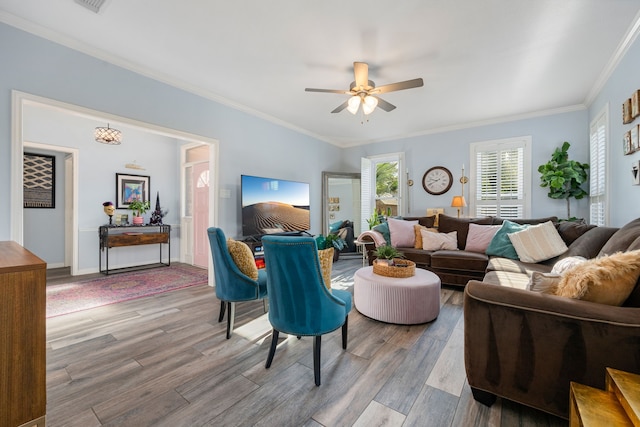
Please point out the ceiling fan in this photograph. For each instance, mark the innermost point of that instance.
(364, 92)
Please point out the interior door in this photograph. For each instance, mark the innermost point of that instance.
(200, 214)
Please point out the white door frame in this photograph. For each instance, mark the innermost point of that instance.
(19, 99)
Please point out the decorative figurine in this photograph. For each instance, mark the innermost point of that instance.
(109, 209)
(157, 215)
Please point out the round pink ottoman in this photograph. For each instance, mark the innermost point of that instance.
(406, 301)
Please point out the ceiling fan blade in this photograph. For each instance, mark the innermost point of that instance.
(341, 107)
(409, 84)
(308, 89)
(386, 106)
(361, 74)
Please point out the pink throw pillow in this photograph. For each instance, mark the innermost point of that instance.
(402, 233)
(480, 236)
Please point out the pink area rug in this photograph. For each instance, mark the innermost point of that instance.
(72, 297)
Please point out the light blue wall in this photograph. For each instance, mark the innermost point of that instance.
(624, 202)
(451, 149)
(248, 144)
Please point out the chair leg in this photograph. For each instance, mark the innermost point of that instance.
(223, 305)
(272, 349)
(231, 315)
(316, 358)
(345, 327)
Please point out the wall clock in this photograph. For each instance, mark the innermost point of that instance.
(437, 180)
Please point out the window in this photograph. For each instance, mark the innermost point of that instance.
(597, 170)
(502, 171)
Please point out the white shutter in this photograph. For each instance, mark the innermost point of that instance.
(597, 170)
(366, 186)
(501, 178)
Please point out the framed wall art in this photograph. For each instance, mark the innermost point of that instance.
(130, 188)
(39, 176)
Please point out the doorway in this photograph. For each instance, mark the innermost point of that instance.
(20, 101)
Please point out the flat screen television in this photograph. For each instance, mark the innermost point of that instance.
(272, 205)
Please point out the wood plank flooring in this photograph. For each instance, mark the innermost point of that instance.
(164, 361)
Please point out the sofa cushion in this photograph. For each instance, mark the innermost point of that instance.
(606, 280)
(416, 230)
(437, 241)
(425, 221)
(571, 230)
(419, 256)
(243, 258)
(507, 279)
(447, 224)
(459, 260)
(480, 236)
(401, 232)
(538, 242)
(622, 239)
(516, 266)
(501, 244)
(527, 221)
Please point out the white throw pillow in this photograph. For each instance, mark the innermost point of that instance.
(480, 236)
(402, 233)
(436, 241)
(538, 242)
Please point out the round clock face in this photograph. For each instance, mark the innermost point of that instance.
(437, 180)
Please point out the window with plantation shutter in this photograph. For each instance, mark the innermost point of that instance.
(501, 178)
(597, 169)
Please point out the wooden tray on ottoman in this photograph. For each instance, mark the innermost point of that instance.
(407, 268)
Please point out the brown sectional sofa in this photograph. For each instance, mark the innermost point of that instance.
(527, 346)
(455, 268)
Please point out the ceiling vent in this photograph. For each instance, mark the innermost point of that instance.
(92, 5)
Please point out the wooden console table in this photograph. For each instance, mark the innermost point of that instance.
(113, 237)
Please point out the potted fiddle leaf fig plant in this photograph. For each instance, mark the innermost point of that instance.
(138, 207)
(564, 177)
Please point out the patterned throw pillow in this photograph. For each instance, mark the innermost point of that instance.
(538, 242)
(326, 262)
(243, 258)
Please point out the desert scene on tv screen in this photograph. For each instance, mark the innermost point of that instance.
(262, 217)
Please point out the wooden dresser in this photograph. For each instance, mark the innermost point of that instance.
(23, 396)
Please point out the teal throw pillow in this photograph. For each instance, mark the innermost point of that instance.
(384, 230)
(501, 245)
(334, 227)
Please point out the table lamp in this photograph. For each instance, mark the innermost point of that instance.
(458, 202)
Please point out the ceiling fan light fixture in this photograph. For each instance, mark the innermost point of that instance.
(369, 104)
(353, 104)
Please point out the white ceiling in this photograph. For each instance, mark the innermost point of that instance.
(481, 61)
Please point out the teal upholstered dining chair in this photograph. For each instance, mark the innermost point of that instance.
(299, 302)
(231, 284)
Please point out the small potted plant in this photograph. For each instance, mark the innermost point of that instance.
(386, 254)
(138, 207)
(331, 241)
